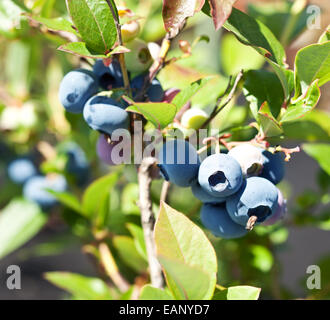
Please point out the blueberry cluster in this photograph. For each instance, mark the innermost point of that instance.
(79, 94)
(24, 171)
(237, 189)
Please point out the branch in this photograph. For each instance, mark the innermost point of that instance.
(156, 66)
(121, 55)
(165, 189)
(111, 268)
(148, 220)
(230, 96)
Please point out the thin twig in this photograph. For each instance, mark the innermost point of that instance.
(148, 220)
(121, 55)
(156, 66)
(230, 96)
(111, 268)
(165, 189)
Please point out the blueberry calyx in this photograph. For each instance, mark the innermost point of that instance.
(218, 181)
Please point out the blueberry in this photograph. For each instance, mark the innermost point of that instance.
(109, 77)
(35, 189)
(220, 175)
(76, 88)
(139, 59)
(179, 162)
(257, 197)
(105, 115)
(193, 118)
(155, 92)
(108, 154)
(280, 211)
(215, 218)
(20, 170)
(249, 157)
(273, 166)
(203, 196)
(77, 164)
(130, 30)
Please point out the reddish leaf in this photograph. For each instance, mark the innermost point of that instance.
(176, 12)
(220, 11)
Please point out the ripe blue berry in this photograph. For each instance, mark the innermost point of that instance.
(203, 196)
(257, 197)
(220, 175)
(215, 218)
(273, 166)
(280, 211)
(249, 157)
(155, 92)
(35, 189)
(109, 77)
(110, 153)
(20, 170)
(76, 88)
(105, 115)
(179, 162)
(77, 165)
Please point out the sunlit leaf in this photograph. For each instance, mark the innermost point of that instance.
(185, 253)
(149, 292)
(320, 152)
(83, 288)
(95, 23)
(160, 114)
(20, 220)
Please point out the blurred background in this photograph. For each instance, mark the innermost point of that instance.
(33, 123)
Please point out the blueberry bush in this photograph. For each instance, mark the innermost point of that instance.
(157, 133)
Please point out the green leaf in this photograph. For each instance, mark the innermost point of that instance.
(54, 246)
(320, 152)
(185, 253)
(128, 253)
(286, 77)
(238, 293)
(68, 199)
(303, 105)
(209, 93)
(278, 16)
(254, 33)
(305, 130)
(262, 258)
(149, 292)
(312, 63)
(80, 49)
(129, 199)
(261, 86)
(55, 24)
(269, 125)
(186, 94)
(138, 236)
(159, 114)
(20, 220)
(128, 294)
(95, 23)
(97, 193)
(236, 56)
(83, 288)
